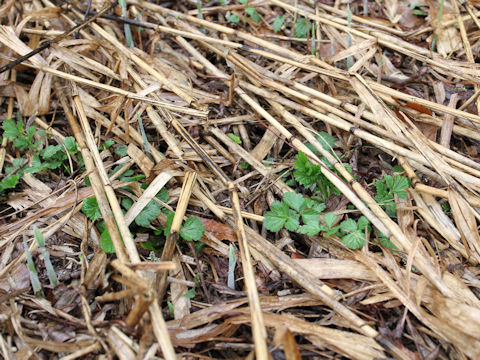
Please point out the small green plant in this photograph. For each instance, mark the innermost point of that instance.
(278, 23)
(192, 229)
(387, 188)
(248, 12)
(295, 213)
(49, 158)
(235, 138)
(301, 28)
(32, 270)
(52, 276)
(302, 215)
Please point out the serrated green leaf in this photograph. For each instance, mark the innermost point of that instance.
(36, 165)
(349, 226)
(31, 130)
(363, 223)
(71, 145)
(278, 23)
(294, 200)
(235, 138)
(330, 219)
(192, 230)
(280, 208)
(243, 2)
(16, 163)
(301, 28)
(11, 129)
(53, 152)
(21, 143)
(253, 14)
(310, 229)
(319, 207)
(293, 221)
(388, 181)
(163, 195)
(127, 203)
(310, 216)
(90, 208)
(106, 243)
(355, 240)
(400, 183)
(381, 190)
(327, 141)
(305, 172)
(274, 221)
(148, 214)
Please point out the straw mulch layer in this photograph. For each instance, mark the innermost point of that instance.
(212, 107)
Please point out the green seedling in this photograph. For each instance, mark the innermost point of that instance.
(278, 23)
(52, 277)
(36, 286)
(387, 188)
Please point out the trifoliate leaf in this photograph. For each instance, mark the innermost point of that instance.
(148, 214)
(278, 23)
(90, 208)
(11, 129)
(305, 172)
(294, 200)
(21, 143)
(193, 229)
(50, 151)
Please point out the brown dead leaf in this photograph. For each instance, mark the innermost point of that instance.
(219, 230)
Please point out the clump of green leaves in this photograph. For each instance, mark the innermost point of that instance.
(295, 213)
(301, 28)
(278, 23)
(250, 12)
(22, 139)
(52, 276)
(191, 230)
(310, 175)
(49, 158)
(304, 216)
(387, 188)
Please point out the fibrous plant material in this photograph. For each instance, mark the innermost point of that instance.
(330, 170)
